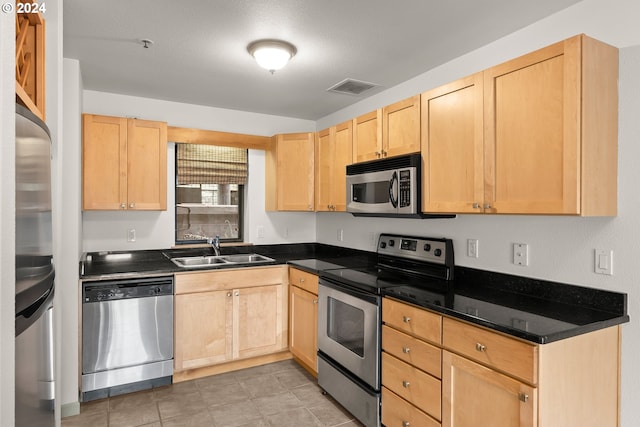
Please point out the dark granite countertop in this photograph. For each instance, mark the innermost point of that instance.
(535, 310)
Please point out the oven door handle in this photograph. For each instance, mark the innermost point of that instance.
(365, 296)
(393, 185)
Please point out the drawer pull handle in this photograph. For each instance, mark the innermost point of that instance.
(406, 384)
(406, 319)
(523, 397)
(406, 424)
(406, 350)
(480, 347)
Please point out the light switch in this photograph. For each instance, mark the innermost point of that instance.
(604, 261)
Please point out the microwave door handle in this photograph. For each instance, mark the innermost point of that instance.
(393, 197)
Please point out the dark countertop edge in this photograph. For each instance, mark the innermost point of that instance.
(527, 336)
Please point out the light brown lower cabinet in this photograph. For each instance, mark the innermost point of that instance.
(228, 315)
(474, 395)
(303, 318)
(493, 379)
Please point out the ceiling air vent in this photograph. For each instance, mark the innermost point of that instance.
(351, 87)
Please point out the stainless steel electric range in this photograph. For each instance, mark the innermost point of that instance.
(349, 315)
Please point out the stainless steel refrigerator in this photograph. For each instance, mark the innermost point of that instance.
(34, 386)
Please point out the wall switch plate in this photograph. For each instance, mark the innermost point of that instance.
(260, 232)
(521, 254)
(603, 260)
(131, 235)
(472, 248)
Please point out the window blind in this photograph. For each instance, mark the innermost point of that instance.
(210, 164)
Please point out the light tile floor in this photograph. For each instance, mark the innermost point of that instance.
(280, 394)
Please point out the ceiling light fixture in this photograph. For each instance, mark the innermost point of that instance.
(271, 54)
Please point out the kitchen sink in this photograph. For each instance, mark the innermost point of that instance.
(219, 260)
(246, 258)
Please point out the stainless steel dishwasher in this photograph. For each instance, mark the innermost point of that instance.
(127, 336)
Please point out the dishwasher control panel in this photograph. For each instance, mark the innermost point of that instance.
(127, 289)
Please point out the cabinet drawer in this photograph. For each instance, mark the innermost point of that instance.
(413, 385)
(413, 351)
(304, 280)
(412, 320)
(397, 412)
(232, 278)
(508, 355)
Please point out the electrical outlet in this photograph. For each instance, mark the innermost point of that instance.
(521, 254)
(131, 235)
(472, 248)
(260, 232)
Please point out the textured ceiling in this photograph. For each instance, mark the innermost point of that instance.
(199, 53)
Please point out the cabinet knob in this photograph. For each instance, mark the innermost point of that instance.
(487, 206)
(406, 424)
(132, 205)
(301, 280)
(237, 293)
(315, 301)
(406, 319)
(406, 350)
(384, 153)
(378, 154)
(523, 397)
(480, 347)
(406, 384)
(476, 206)
(228, 294)
(123, 206)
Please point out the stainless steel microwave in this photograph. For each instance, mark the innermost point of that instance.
(389, 187)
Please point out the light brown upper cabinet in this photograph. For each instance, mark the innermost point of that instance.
(333, 154)
(289, 173)
(124, 164)
(550, 136)
(452, 147)
(389, 131)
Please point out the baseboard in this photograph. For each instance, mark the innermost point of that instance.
(69, 409)
(229, 366)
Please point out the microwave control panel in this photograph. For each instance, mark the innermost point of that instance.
(404, 188)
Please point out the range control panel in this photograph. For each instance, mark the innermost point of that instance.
(425, 249)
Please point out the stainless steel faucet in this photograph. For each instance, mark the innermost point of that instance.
(215, 244)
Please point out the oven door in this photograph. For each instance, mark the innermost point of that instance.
(349, 330)
(373, 192)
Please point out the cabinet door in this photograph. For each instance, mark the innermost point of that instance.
(473, 395)
(333, 154)
(146, 165)
(304, 326)
(324, 158)
(203, 334)
(342, 156)
(452, 147)
(294, 172)
(401, 127)
(259, 320)
(367, 136)
(104, 162)
(532, 140)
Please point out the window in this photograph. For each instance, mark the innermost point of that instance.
(210, 183)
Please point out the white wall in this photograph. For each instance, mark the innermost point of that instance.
(67, 266)
(561, 248)
(108, 230)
